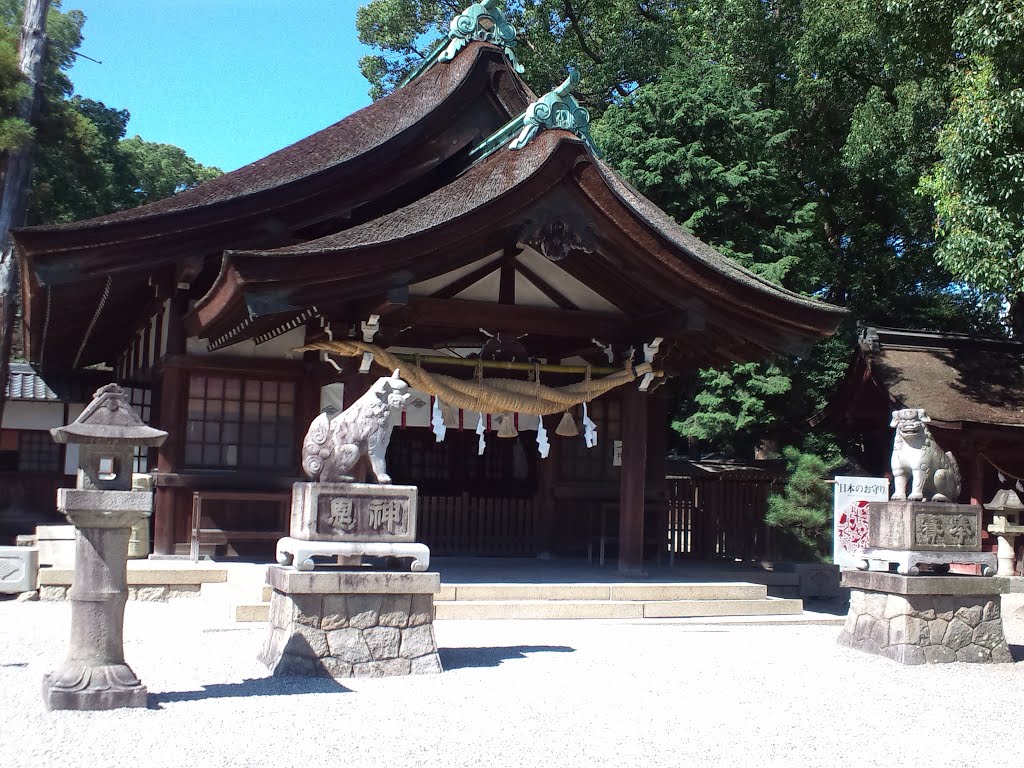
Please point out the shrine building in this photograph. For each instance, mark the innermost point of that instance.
(460, 226)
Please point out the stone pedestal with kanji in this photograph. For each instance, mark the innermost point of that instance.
(353, 522)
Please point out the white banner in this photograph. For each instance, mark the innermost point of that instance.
(850, 516)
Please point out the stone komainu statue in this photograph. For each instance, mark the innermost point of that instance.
(935, 474)
(334, 446)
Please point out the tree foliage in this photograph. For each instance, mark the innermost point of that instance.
(82, 164)
(804, 509)
(617, 44)
(977, 183)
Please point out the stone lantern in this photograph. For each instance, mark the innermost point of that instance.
(1006, 508)
(103, 508)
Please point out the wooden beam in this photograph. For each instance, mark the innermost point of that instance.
(382, 304)
(545, 321)
(507, 283)
(542, 285)
(459, 285)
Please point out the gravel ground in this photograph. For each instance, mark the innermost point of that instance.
(515, 694)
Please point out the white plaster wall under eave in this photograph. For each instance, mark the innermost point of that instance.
(279, 347)
(21, 414)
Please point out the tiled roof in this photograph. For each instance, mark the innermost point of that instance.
(25, 384)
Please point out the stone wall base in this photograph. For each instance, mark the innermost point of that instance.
(926, 628)
(363, 625)
(154, 593)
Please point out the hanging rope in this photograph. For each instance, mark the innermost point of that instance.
(492, 395)
(999, 468)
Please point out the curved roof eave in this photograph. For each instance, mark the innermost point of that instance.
(340, 144)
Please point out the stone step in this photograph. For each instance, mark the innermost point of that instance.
(575, 601)
(250, 612)
(612, 609)
(146, 581)
(611, 591)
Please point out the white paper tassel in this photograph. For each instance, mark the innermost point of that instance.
(481, 427)
(589, 429)
(437, 421)
(543, 446)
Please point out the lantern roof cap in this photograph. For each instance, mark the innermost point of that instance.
(109, 419)
(1005, 500)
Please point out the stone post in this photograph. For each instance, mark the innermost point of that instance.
(103, 508)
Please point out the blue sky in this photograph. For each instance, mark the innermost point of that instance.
(229, 81)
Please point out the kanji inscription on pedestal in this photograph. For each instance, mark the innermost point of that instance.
(931, 530)
(364, 517)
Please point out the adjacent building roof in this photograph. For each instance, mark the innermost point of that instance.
(25, 383)
(957, 379)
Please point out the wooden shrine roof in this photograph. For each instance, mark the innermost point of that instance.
(361, 132)
(622, 245)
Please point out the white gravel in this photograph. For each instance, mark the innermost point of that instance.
(515, 694)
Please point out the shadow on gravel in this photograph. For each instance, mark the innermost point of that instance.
(262, 686)
(463, 658)
(1017, 652)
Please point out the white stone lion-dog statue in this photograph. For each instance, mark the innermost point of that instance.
(334, 446)
(935, 475)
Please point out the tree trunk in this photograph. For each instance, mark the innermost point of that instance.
(14, 198)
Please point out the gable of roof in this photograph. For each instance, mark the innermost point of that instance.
(630, 241)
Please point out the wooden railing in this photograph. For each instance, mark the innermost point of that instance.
(460, 525)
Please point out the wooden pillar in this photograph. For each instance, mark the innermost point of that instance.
(172, 388)
(544, 538)
(632, 480)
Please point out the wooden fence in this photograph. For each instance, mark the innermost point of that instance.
(460, 525)
(720, 516)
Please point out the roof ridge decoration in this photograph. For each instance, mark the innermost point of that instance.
(481, 21)
(557, 108)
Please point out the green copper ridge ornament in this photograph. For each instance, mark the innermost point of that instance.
(482, 21)
(557, 108)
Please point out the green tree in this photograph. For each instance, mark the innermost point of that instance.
(160, 170)
(82, 165)
(617, 44)
(14, 131)
(803, 511)
(977, 183)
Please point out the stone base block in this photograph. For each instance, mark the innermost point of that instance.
(301, 552)
(815, 579)
(19, 569)
(56, 545)
(83, 687)
(925, 620)
(351, 624)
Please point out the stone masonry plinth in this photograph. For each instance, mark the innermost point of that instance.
(351, 623)
(925, 619)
